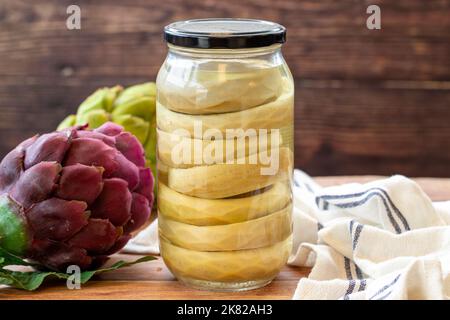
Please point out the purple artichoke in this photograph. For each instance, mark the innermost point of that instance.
(73, 197)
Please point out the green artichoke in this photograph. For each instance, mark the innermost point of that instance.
(133, 108)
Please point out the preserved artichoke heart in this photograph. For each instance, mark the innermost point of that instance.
(227, 180)
(227, 266)
(163, 172)
(169, 141)
(216, 87)
(250, 234)
(201, 212)
(272, 115)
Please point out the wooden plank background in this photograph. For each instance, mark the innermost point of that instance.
(367, 101)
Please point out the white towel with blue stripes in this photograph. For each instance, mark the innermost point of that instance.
(380, 240)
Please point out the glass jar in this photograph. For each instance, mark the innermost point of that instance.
(225, 108)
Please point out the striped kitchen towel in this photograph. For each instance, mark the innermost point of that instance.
(378, 241)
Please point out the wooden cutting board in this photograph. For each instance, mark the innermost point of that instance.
(152, 280)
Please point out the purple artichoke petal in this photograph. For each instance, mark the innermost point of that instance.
(80, 182)
(10, 169)
(48, 147)
(127, 171)
(92, 152)
(145, 186)
(131, 148)
(28, 142)
(120, 243)
(97, 236)
(58, 255)
(110, 129)
(57, 219)
(110, 141)
(114, 203)
(12, 165)
(140, 212)
(36, 183)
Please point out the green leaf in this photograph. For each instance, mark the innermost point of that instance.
(9, 259)
(33, 279)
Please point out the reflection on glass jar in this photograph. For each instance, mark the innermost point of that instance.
(225, 153)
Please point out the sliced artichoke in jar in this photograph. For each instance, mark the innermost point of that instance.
(251, 234)
(202, 212)
(227, 266)
(217, 87)
(211, 151)
(228, 180)
(272, 115)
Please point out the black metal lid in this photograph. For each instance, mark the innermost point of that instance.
(224, 33)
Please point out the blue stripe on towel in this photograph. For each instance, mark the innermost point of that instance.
(361, 202)
(351, 287)
(348, 270)
(358, 230)
(355, 238)
(362, 285)
(381, 193)
(359, 273)
(348, 273)
(302, 184)
(397, 211)
(385, 288)
(367, 198)
(351, 226)
(385, 296)
(317, 202)
(308, 187)
(351, 282)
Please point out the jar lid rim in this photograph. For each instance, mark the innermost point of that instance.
(224, 33)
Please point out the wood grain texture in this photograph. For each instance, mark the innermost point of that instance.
(152, 280)
(362, 130)
(367, 102)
